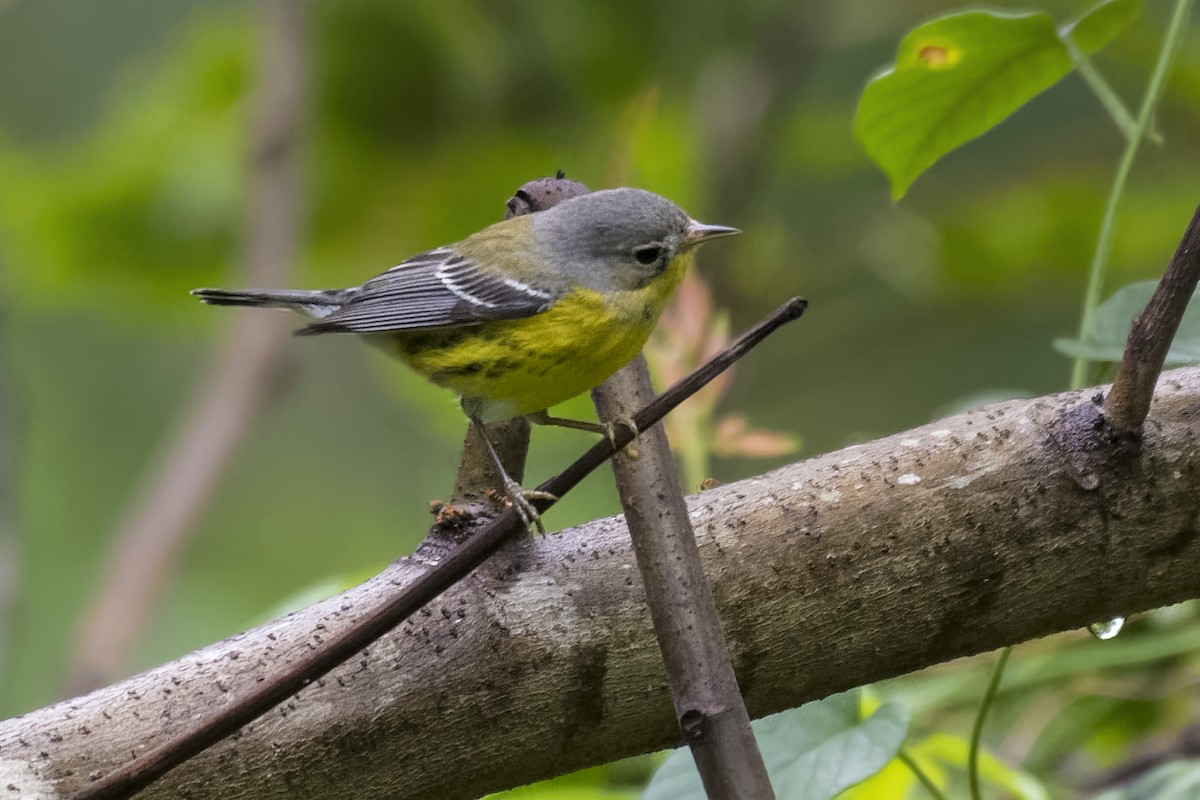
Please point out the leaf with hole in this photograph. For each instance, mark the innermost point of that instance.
(958, 76)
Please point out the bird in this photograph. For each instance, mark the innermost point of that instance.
(521, 315)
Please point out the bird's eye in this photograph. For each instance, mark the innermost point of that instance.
(647, 254)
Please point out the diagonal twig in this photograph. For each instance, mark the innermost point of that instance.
(1128, 403)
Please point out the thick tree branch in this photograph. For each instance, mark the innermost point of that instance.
(950, 539)
(709, 709)
(1151, 334)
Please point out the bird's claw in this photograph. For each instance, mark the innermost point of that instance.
(610, 429)
(521, 499)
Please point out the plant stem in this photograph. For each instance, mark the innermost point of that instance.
(977, 730)
(1104, 93)
(925, 780)
(1141, 125)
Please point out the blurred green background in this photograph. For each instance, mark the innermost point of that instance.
(123, 136)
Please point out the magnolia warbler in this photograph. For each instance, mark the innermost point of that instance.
(525, 313)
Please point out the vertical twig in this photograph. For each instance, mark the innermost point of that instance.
(234, 386)
(1150, 337)
(477, 471)
(708, 705)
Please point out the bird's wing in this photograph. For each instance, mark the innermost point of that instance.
(438, 289)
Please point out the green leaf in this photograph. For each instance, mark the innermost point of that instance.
(895, 780)
(1110, 328)
(1176, 780)
(550, 790)
(812, 753)
(613, 781)
(1099, 25)
(955, 78)
(958, 76)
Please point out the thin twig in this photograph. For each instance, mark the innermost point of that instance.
(709, 708)
(146, 768)
(233, 387)
(1150, 337)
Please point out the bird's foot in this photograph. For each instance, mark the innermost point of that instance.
(610, 431)
(522, 501)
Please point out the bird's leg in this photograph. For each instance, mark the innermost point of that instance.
(518, 495)
(606, 429)
(542, 418)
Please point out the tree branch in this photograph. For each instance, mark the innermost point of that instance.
(950, 539)
(1151, 334)
(709, 709)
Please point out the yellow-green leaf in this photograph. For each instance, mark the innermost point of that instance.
(1100, 24)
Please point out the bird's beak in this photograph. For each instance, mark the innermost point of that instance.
(698, 232)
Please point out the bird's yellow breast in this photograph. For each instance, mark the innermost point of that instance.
(507, 368)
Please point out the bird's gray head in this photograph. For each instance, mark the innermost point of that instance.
(618, 238)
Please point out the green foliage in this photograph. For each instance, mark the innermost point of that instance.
(954, 751)
(958, 76)
(1175, 780)
(1110, 328)
(127, 221)
(813, 752)
(943, 760)
(609, 782)
(554, 790)
(1096, 28)
(1162, 643)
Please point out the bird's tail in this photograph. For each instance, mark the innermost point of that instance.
(316, 304)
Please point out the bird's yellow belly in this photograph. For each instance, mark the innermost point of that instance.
(507, 368)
